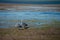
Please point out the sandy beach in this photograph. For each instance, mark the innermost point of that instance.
(30, 34)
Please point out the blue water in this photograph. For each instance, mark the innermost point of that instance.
(5, 16)
(30, 2)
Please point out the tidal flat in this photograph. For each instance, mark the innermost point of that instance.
(43, 22)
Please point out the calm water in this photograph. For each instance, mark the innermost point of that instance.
(6, 18)
(29, 2)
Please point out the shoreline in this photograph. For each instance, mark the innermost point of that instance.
(31, 7)
(45, 5)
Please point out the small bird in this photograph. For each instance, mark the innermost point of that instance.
(22, 26)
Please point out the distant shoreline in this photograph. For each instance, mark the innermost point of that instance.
(34, 7)
(45, 5)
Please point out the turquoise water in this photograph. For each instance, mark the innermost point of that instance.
(29, 2)
(43, 17)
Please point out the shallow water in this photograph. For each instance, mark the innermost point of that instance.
(10, 18)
